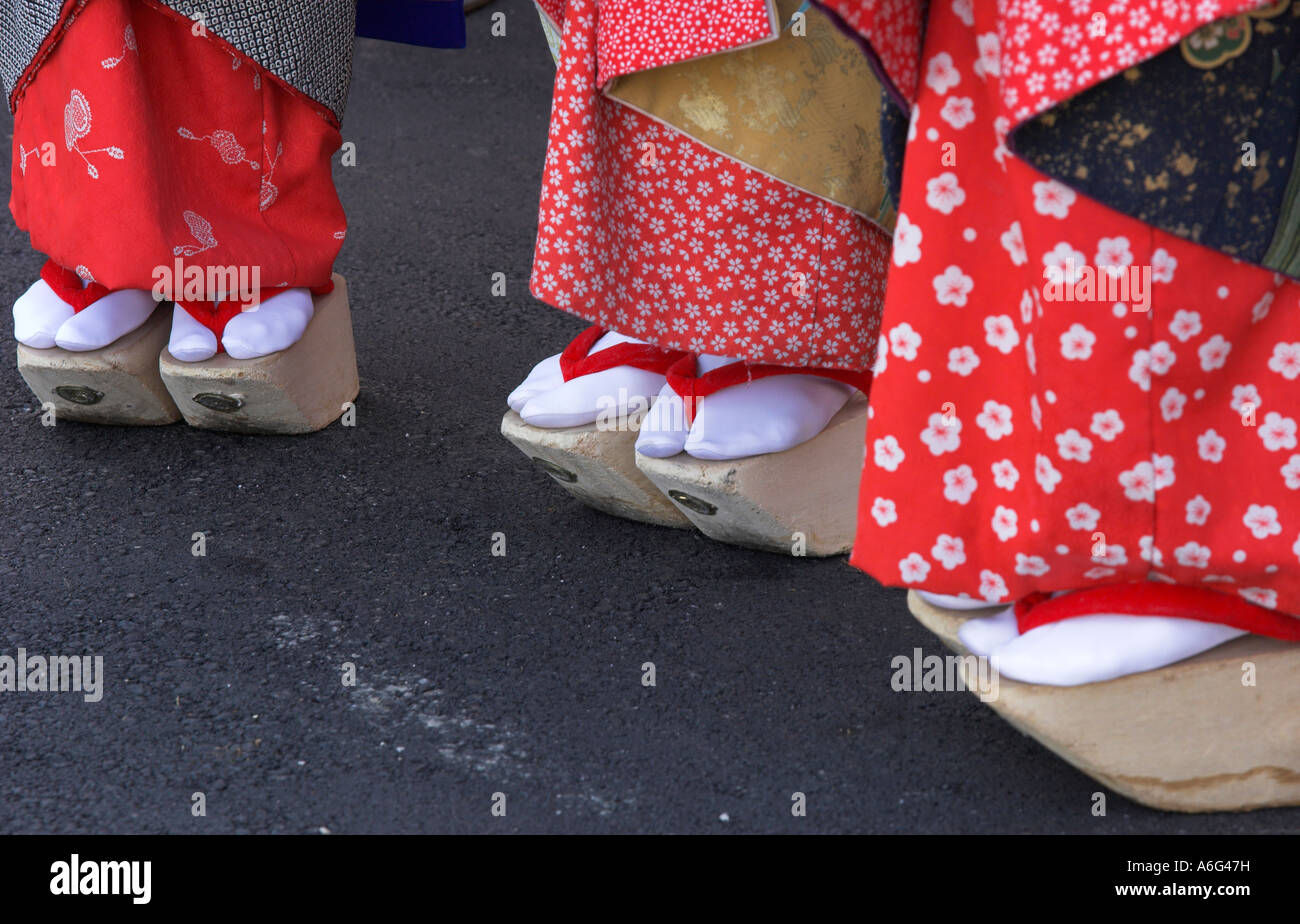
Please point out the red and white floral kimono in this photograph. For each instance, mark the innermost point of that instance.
(649, 231)
(141, 139)
(1018, 444)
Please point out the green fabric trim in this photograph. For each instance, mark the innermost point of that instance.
(1283, 254)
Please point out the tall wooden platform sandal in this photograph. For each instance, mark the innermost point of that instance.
(801, 501)
(1216, 732)
(596, 463)
(299, 390)
(118, 384)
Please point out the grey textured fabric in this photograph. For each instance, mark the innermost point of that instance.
(306, 43)
(23, 26)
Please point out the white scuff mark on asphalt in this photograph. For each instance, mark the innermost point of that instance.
(291, 632)
(390, 701)
(461, 738)
(589, 802)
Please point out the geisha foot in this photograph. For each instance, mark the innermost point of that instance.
(191, 342)
(953, 602)
(289, 366)
(1097, 644)
(978, 635)
(546, 399)
(108, 319)
(1169, 735)
(78, 317)
(760, 456)
(89, 354)
(276, 324)
(560, 418)
(747, 419)
(38, 315)
(1090, 649)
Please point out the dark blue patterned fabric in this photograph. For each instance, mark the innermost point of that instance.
(893, 140)
(1163, 142)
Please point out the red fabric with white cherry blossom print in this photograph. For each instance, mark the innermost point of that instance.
(1042, 51)
(554, 9)
(638, 35)
(170, 146)
(1017, 444)
(689, 249)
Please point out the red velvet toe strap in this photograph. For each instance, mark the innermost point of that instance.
(691, 387)
(68, 286)
(216, 315)
(577, 358)
(1154, 598)
(212, 315)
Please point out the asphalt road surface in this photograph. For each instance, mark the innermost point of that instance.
(372, 545)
